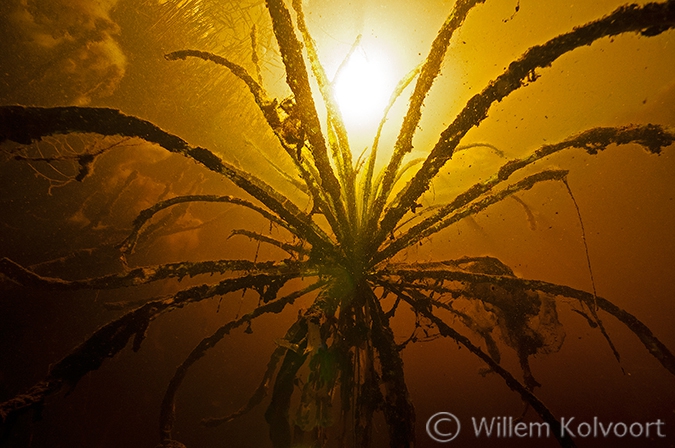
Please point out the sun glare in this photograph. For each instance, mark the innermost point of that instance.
(363, 87)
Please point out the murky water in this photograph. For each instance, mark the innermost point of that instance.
(64, 217)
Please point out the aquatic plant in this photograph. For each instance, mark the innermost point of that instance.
(340, 361)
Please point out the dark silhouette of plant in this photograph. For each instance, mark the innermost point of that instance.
(342, 345)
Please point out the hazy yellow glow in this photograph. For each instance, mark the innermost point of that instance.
(363, 88)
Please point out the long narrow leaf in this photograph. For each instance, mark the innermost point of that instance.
(26, 124)
(428, 74)
(649, 20)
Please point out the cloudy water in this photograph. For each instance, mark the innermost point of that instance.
(231, 250)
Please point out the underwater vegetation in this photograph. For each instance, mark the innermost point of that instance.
(339, 367)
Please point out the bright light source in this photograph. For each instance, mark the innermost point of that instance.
(363, 88)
